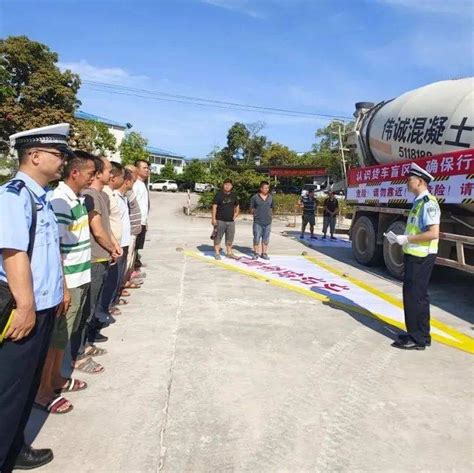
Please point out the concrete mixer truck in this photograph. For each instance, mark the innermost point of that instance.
(434, 126)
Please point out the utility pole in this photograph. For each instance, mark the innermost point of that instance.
(341, 148)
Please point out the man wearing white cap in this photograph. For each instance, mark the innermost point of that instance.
(420, 246)
(31, 283)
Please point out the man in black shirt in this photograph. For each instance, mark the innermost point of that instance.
(225, 210)
(331, 206)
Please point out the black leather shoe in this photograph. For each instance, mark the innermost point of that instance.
(408, 345)
(30, 458)
(404, 337)
(99, 338)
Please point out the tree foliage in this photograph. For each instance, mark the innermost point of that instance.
(93, 136)
(195, 171)
(244, 144)
(33, 90)
(277, 154)
(168, 172)
(327, 150)
(133, 147)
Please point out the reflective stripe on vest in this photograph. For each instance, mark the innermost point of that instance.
(413, 227)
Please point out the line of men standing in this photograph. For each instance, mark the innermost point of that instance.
(66, 257)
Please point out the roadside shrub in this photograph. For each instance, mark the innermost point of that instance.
(205, 200)
(285, 203)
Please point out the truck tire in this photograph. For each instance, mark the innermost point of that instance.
(364, 242)
(393, 254)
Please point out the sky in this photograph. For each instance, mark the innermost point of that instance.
(316, 56)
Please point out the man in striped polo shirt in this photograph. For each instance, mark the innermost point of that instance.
(75, 249)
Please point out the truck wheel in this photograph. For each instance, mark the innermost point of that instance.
(364, 242)
(165, 188)
(393, 254)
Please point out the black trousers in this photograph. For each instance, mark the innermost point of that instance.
(88, 325)
(21, 365)
(141, 239)
(416, 301)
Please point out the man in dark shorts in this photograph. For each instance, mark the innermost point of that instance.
(261, 206)
(308, 204)
(225, 210)
(331, 206)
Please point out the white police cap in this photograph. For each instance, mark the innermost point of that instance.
(418, 171)
(47, 136)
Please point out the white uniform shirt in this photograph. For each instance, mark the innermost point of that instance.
(141, 193)
(431, 213)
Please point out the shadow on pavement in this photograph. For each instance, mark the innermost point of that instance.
(360, 314)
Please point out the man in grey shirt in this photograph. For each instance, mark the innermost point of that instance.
(261, 206)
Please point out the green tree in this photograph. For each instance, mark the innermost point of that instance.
(277, 154)
(237, 138)
(133, 147)
(195, 171)
(256, 144)
(167, 171)
(33, 90)
(327, 150)
(93, 136)
(244, 144)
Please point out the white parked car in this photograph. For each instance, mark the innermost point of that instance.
(203, 187)
(164, 185)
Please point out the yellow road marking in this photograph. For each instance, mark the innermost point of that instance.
(465, 340)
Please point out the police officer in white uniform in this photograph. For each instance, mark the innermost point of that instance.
(36, 285)
(420, 246)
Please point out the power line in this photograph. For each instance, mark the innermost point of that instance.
(199, 101)
(128, 94)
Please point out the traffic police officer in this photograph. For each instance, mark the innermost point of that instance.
(420, 246)
(36, 285)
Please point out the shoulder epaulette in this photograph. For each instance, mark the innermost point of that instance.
(15, 186)
(426, 198)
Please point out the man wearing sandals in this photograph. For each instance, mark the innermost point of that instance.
(74, 239)
(104, 249)
(35, 278)
(109, 292)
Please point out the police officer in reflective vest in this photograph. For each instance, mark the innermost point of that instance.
(420, 246)
(34, 276)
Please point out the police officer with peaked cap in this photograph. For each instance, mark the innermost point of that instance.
(36, 285)
(420, 247)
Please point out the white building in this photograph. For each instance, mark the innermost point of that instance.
(116, 128)
(159, 157)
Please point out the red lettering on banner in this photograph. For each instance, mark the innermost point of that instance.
(335, 287)
(312, 281)
(439, 190)
(446, 164)
(467, 188)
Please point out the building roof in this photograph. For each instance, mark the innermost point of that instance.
(79, 114)
(162, 152)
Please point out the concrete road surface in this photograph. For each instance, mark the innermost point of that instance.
(213, 371)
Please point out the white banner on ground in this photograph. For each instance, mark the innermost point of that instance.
(319, 242)
(304, 276)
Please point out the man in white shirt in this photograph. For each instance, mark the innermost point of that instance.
(113, 276)
(141, 191)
